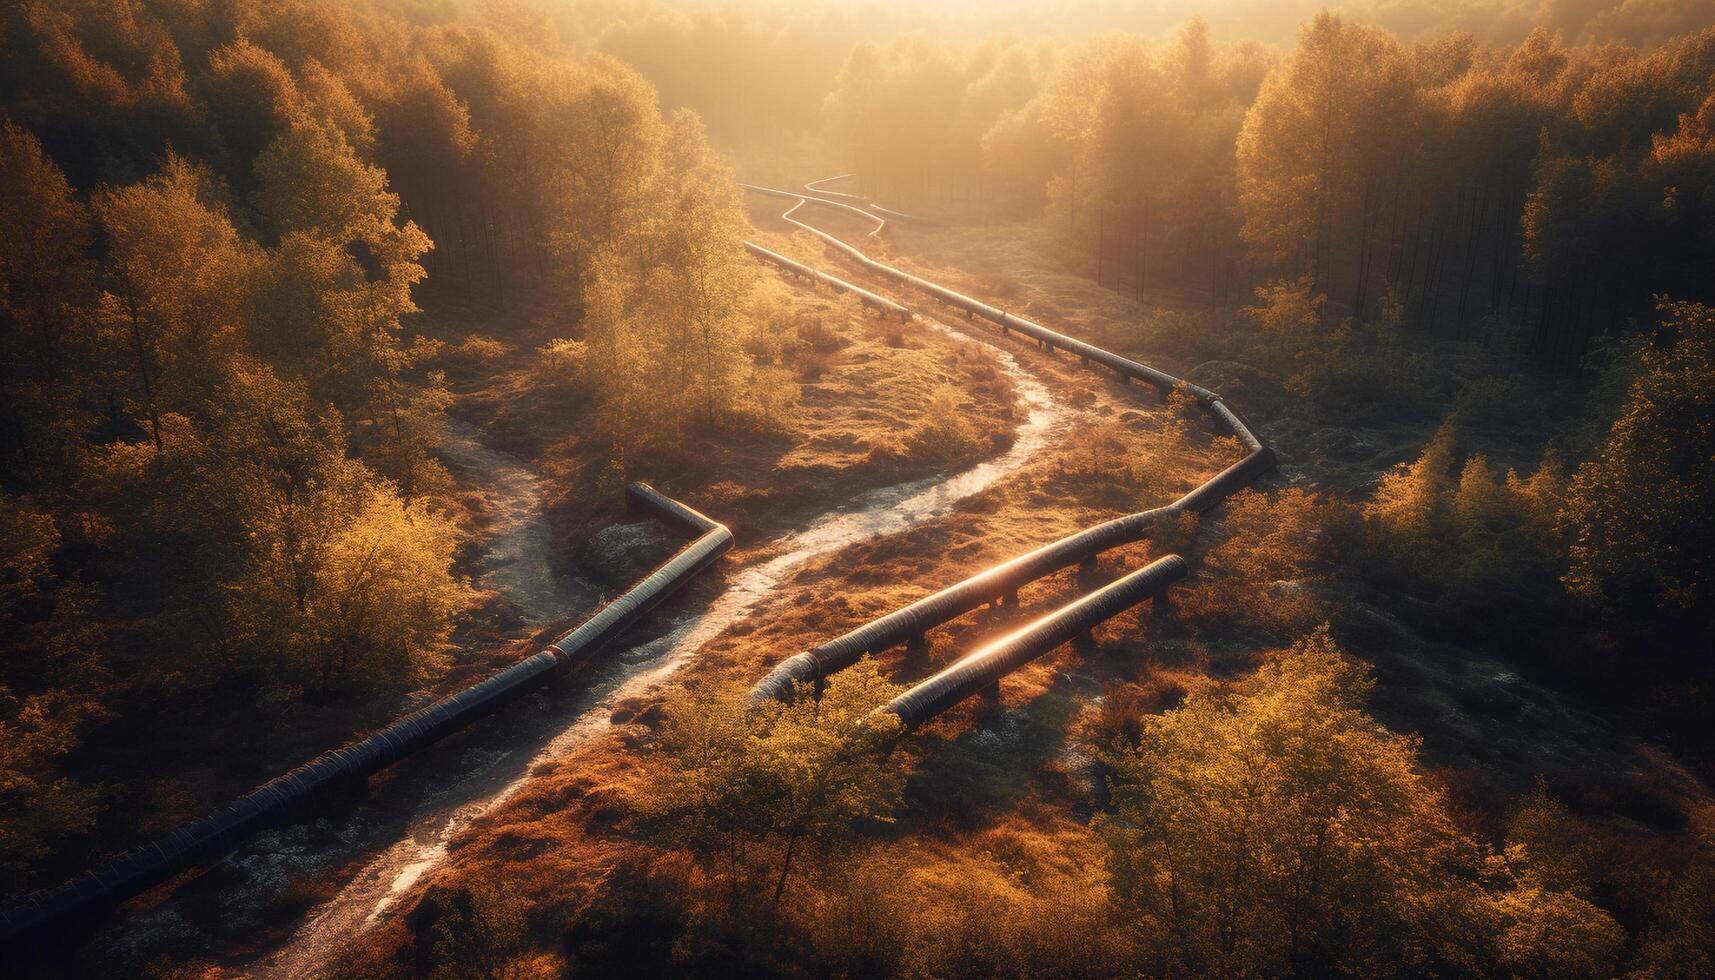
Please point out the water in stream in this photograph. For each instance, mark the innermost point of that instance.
(518, 562)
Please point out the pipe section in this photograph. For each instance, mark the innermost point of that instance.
(273, 802)
(804, 199)
(987, 664)
(820, 193)
(867, 298)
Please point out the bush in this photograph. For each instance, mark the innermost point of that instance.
(944, 435)
(1277, 545)
(1476, 541)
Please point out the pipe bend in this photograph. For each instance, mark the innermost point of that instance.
(133, 871)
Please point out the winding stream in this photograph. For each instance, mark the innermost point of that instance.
(521, 564)
(518, 562)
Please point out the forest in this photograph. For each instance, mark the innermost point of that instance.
(334, 332)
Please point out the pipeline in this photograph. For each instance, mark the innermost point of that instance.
(103, 888)
(985, 666)
(867, 298)
(880, 222)
(910, 622)
(823, 194)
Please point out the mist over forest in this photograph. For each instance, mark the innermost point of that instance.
(513, 488)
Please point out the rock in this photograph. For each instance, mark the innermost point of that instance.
(1251, 390)
(1346, 446)
(620, 554)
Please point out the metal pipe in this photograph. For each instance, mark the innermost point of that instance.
(869, 299)
(102, 888)
(987, 664)
(818, 192)
(803, 199)
(928, 612)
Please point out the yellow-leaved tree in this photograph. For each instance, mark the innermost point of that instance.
(340, 580)
(749, 792)
(178, 276)
(648, 233)
(1280, 830)
(1642, 513)
(338, 287)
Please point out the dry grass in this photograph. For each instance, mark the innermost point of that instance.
(863, 389)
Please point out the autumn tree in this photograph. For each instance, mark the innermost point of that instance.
(1548, 925)
(1277, 547)
(339, 580)
(347, 268)
(176, 287)
(755, 794)
(39, 807)
(660, 274)
(1640, 512)
(45, 279)
(910, 116)
(1461, 532)
(1319, 149)
(1130, 147)
(43, 262)
(1276, 830)
(39, 634)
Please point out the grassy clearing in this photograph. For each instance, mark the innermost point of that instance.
(866, 391)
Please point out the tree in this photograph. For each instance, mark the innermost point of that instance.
(339, 580)
(42, 261)
(178, 276)
(252, 99)
(384, 596)
(38, 807)
(750, 793)
(700, 264)
(1276, 547)
(664, 294)
(1277, 831)
(1410, 500)
(1642, 513)
(343, 282)
(1319, 149)
(45, 279)
(1289, 316)
(1548, 925)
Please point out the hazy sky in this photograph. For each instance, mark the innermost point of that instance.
(1641, 22)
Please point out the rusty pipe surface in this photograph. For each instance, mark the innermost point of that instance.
(956, 600)
(990, 662)
(100, 889)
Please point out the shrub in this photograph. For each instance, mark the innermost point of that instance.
(1474, 540)
(1276, 544)
(944, 435)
